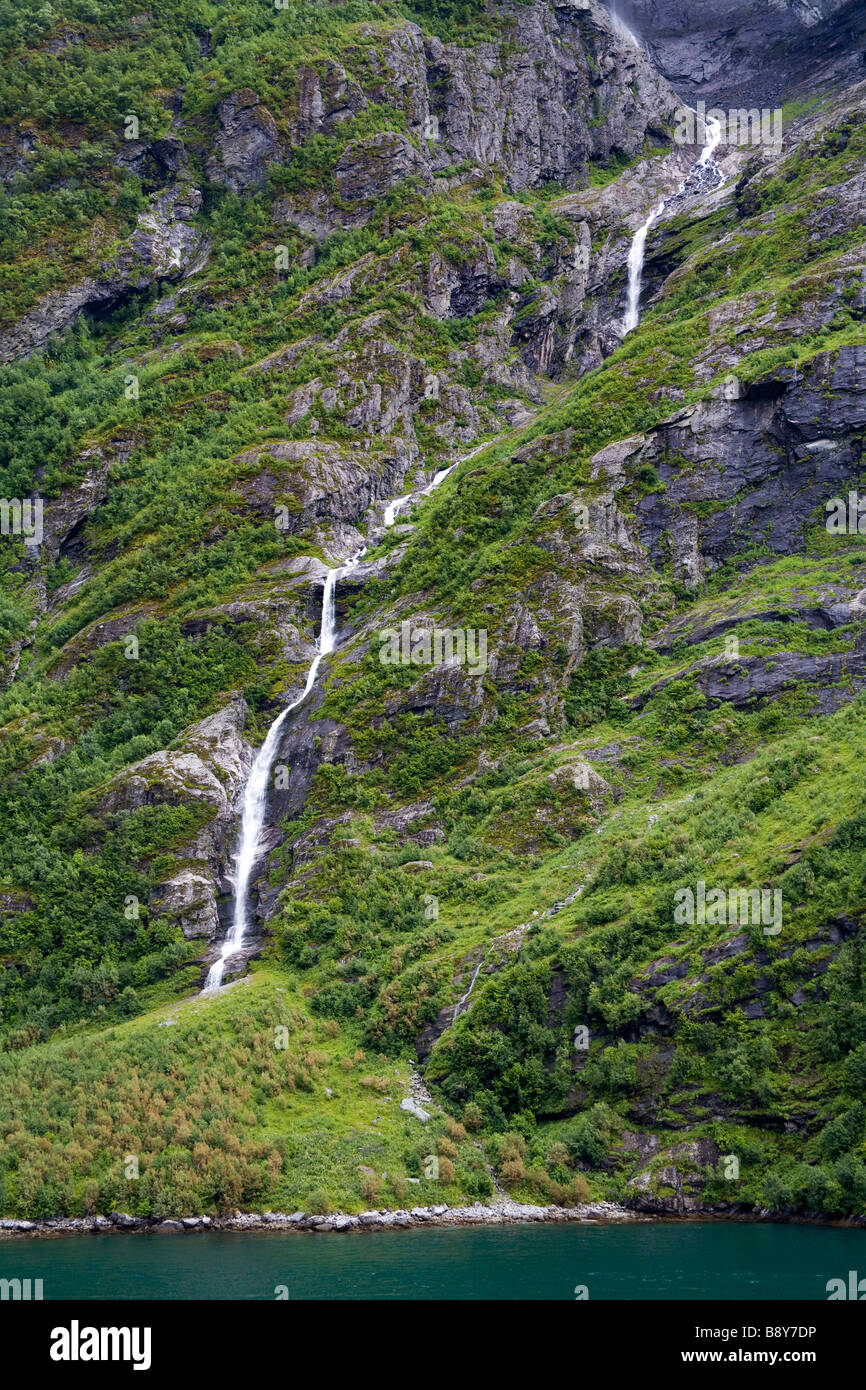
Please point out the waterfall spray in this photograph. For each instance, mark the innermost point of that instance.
(622, 29)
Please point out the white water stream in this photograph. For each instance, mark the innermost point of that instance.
(255, 799)
(622, 29)
(712, 136)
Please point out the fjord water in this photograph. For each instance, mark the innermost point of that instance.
(647, 1260)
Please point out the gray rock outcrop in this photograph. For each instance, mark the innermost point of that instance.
(164, 245)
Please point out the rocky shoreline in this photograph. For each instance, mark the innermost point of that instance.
(502, 1213)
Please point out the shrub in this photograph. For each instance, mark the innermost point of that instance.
(511, 1145)
(446, 1170)
(585, 1143)
(512, 1170)
(580, 1188)
(478, 1185)
(400, 1188)
(558, 1155)
(370, 1188)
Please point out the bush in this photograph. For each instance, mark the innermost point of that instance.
(511, 1145)
(512, 1170)
(558, 1155)
(371, 1188)
(400, 1188)
(585, 1143)
(446, 1170)
(844, 1132)
(478, 1185)
(580, 1188)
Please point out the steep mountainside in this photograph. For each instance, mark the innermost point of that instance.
(269, 271)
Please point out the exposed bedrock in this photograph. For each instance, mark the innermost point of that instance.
(747, 50)
(755, 469)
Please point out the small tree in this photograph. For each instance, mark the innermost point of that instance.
(512, 1170)
(558, 1155)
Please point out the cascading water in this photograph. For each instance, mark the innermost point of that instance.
(255, 799)
(255, 802)
(622, 29)
(635, 271)
(393, 508)
(712, 136)
(256, 791)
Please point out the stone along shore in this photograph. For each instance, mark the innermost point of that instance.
(498, 1213)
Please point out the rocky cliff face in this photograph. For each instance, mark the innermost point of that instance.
(565, 91)
(209, 772)
(738, 52)
(781, 447)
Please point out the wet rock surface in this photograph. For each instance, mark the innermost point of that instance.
(764, 464)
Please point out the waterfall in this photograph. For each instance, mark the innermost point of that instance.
(393, 508)
(256, 791)
(712, 134)
(622, 30)
(390, 514)
(462, 1001)
(635, 271)
(255, 802)
(255, 798)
